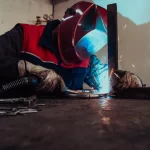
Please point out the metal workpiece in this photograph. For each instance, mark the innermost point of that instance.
(19, 106)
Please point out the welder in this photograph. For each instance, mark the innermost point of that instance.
(61, 53)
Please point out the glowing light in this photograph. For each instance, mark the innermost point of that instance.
(102, 79)
(117, 75)
(125, 26)
(67, 18)
(97, 77)
(104, 59)
(104, 82)
(79, 11)
(106, 120)
(79, 24)
(104, 103)
(133, 65)
(92, 42)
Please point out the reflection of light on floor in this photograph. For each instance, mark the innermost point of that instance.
(106, 120)
(120, 56)
(104, 103)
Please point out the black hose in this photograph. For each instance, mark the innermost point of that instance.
(25, 81)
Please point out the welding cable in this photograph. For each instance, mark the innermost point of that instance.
(31, 80)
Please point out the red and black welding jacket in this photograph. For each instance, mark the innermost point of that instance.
(39, 47)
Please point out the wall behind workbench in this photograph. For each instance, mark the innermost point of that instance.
(133, 34)
(23, 11)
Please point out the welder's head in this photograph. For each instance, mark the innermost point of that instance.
(82, 32)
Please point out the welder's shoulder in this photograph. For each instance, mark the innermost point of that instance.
(32, 28)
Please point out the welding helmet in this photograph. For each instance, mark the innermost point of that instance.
(82, 32)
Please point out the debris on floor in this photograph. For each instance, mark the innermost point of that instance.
(19, 106)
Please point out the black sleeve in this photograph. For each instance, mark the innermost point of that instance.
(47, 40)
(10, 50)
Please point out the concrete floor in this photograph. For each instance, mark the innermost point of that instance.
(80, 125)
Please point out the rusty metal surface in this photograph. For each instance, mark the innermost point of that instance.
(80, 125)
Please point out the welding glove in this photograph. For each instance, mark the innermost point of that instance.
(49, 79)
(124, 79)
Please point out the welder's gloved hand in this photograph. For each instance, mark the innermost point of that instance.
(49, 79)
(124, 79)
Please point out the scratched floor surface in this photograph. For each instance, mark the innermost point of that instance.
(80, 125)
